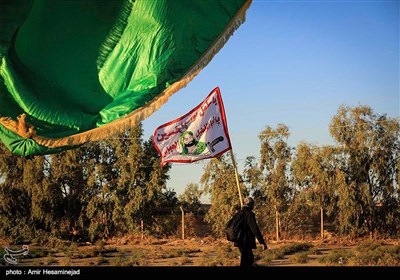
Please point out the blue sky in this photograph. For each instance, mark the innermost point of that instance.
(294, 62)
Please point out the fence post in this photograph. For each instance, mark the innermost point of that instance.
(183, 223)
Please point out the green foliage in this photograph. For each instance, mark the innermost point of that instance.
(295, 247)
(314, 171)
(274, 163)
(92, 192)
(370, 148)
(299, 249)
(113, 187)
(301, 257)
(141, 186)
(18, 180)
(190, 198)
(366, 254)
(300, 218)
(275, 191)
(373, 253)
(253, 176)
(38, 252)
(337, 257)
(219, 181)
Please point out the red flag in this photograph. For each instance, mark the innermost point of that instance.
(202, 133)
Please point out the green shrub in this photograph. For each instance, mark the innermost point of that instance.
(337, 257)
(301, 257)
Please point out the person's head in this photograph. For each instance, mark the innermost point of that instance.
(248, 202)
(187, 138)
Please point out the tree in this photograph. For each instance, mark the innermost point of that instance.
(141, 182)
(130, 190)
(275, 168)
(252, 175)
(15, 198)
(161, 201)
(314, 169)
(219, 181)
(190, 198)
(68, 177)
(102, 182)
(95, 191)
(371, 147)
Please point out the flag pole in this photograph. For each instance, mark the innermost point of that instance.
(237, 177)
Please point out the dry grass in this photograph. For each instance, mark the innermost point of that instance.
(211, 252)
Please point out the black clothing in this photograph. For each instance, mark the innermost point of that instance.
(246, 256)
(251, 231)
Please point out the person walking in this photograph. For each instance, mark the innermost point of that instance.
(251, 231)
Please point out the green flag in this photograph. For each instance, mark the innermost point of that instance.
(75, 71)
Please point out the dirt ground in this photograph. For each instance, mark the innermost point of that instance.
(170, 252)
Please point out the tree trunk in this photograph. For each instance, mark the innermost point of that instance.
(322, 223)
(142, 227)
(277, 223)
(183, 223)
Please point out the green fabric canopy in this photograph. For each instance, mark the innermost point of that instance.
(78, 71)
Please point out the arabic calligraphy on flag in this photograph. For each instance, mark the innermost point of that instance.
(202, 133)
